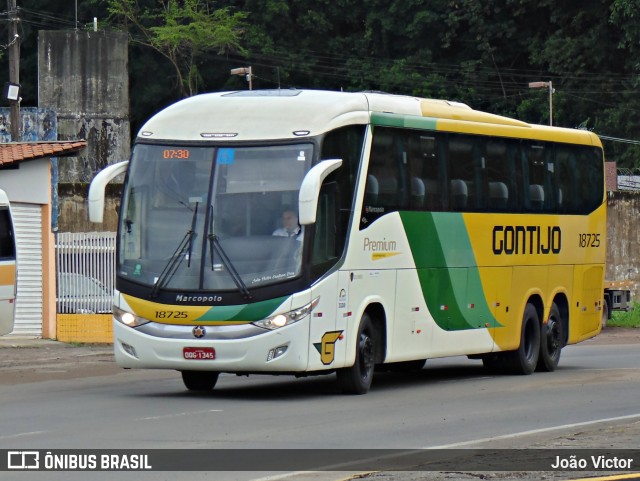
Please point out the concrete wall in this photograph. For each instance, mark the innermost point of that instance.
(74, 209)
(83, 77)
(623, 248)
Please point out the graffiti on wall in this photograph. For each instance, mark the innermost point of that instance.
(37, 125)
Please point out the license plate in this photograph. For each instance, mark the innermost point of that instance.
(198, 353)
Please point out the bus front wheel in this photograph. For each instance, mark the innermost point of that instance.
(357, 378)
(199, 380)
(551, 341)
(525, 359)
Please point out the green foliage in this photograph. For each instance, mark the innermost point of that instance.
(626, 319)
(481, 53)
(183, 31)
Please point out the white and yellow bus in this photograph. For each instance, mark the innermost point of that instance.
(7, 266)
(425, 229)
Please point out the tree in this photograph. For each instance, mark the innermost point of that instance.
(182, 31)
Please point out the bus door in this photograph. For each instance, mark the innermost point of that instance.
(329, 319)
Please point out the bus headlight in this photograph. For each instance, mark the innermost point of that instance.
(281, 320)
(127, 318)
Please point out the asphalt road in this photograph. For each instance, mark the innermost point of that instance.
(58, 397)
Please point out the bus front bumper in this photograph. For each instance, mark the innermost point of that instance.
(281, 350)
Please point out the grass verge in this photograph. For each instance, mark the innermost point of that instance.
(626, 319)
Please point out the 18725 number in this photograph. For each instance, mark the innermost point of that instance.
(589, 240)
(171, 315)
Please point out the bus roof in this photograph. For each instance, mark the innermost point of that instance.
(288, 114)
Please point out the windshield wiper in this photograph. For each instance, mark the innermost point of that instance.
(214, 244)
(192, 231)
(185, 246)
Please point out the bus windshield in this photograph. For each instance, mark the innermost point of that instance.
(212, 218)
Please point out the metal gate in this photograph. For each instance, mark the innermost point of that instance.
(85, 272)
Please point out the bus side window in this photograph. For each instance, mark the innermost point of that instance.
(383, 167)
(459, 195)
(384, 191)
(500, 175)
(592, 186)
(417, 193)
(576, 179)
(464, 168)
(345, 143)
(537, 189)
(424, 171)
(564, 165)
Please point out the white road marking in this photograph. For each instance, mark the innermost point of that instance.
(19, 435)
(465, 443)
(533, 431)
(176, 415)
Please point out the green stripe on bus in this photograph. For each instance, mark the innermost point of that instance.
(447, 270)
(244, 312)
(407, 121)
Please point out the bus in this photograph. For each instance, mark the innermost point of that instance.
(424, 229)
(7, 266)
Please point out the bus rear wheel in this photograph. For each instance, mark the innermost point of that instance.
(357, 378)
(525, 359)
(199, 380)
(551, 341)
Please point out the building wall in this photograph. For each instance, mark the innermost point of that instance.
(35, 125)
(623, 249)
(74, 209)
(83, 77)
(29, 190)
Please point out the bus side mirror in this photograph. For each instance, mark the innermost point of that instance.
(310, 190)
(97, 187)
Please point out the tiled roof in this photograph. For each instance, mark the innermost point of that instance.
(20, 151)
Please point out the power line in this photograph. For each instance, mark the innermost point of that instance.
(616, 139)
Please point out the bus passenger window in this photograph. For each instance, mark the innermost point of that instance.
(498, 196)
(384, 189)
(499, 167)
(536, 197)
(424, 171)
(465, 164)
(537, 176)
(417, 193)
(383, 167)
(459, 194)
(591, 185)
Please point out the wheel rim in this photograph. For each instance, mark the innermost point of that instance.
(365, 349)
(553, 336)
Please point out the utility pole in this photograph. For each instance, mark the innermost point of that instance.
(247, 72)
(549, 84)
(14, 66)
